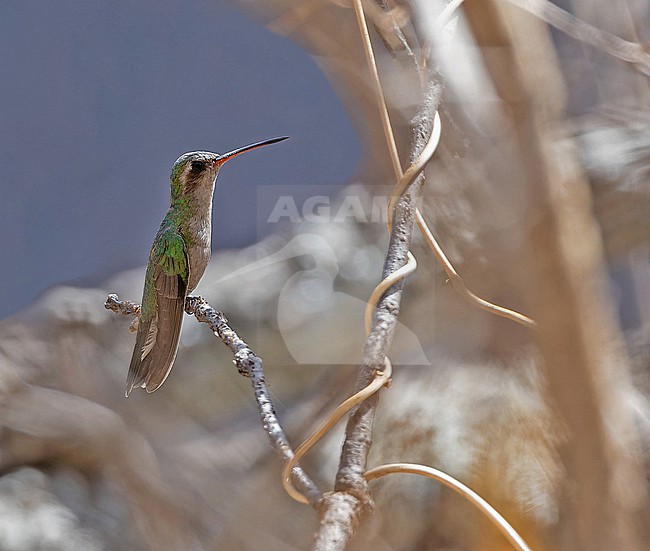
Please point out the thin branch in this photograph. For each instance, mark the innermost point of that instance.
(448, 12)
(406, 179)
(337, 525)
(493, 515)
(388, 22)
(249, 365)
(381, 379)
(459, 285)
(632, 52)
(338, 522)
(385, 284)
(376, 86)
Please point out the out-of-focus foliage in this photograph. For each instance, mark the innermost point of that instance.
(189, 467)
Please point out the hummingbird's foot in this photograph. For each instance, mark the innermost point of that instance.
(192, 302)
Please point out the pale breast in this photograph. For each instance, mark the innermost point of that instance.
(199, 248)
(198, 233)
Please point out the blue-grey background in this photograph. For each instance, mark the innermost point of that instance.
(97, 100)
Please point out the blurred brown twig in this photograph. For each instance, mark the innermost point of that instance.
(631, 52)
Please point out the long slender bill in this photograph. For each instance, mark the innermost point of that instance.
(227, 156)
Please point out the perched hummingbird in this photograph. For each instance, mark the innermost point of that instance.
(178, 258)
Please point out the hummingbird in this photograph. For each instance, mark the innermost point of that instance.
(177, 260)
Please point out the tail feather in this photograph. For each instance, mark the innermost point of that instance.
(156, 346)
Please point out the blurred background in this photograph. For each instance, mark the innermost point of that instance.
(98, 101)
(539, 194)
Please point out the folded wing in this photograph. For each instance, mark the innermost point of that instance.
(161, 320)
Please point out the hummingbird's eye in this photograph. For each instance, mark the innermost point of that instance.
(197, 167)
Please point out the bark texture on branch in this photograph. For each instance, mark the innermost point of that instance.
(342, 510)
(249, 365)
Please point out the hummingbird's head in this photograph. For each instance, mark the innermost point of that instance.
(193, 170)
(198, 169)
